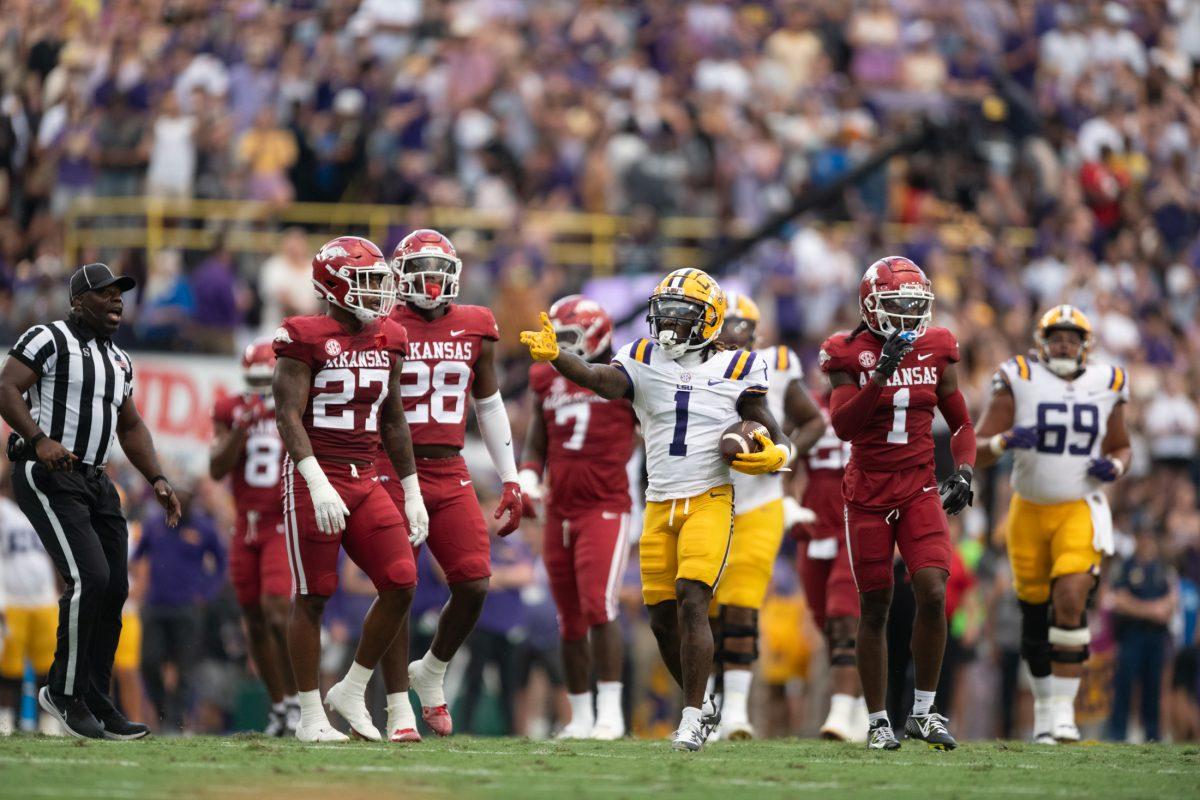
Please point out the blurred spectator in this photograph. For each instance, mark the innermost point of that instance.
(1144, 598)
(172, 151)
(121, 148)
(166, 303)
(285, 282)
(219, 300)
(1172, 423)
(180, 568)
(267, 151)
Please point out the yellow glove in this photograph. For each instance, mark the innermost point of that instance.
(771, 458)
(543, 344)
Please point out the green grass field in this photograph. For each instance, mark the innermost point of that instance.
(270, 769)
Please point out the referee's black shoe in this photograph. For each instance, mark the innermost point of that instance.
(76, 718)
(116, 725)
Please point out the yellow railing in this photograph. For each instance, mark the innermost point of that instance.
(574, 239)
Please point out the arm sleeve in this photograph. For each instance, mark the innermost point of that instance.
(962, 432)
(851, 407)
(36, 349)
(497, 435)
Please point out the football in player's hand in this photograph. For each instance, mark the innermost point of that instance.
(739, 438)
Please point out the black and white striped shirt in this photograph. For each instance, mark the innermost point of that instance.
(82, 383)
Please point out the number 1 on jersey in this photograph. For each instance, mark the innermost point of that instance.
(898, 434)
(679, 440)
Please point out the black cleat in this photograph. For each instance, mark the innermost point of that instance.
(880, 736)
(931, 729)
(76, 718)
(117, 726)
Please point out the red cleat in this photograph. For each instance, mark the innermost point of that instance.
(405, 735)
(438, 719)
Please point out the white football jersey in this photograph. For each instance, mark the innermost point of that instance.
(752, 491)
(1073, 418)
(26, 570)
(683, 410)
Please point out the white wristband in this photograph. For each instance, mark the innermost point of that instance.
(311, 471)
(996, 444)
(1120, 465)
(411, 486)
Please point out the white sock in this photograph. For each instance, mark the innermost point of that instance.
(581, 710)
(400, 712)
(434, 665)
(1043, 687)
(922, 702)
(311, 711)
(691, 717)
(291, 700)
(279, 707)
(608, 703)
(878, 715)
(357, 677)
(1065, 689)
(737, 694)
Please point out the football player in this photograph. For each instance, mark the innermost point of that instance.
(887, 376)
(337, 398)
(246, 446)
(451, 357)
(1063, 418)
(584, 443)
(757, 522)
(823, 562)
(685, 393)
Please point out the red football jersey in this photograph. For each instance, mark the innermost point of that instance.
(825, 464)
(259, 467)
(589, 441)
(899, 434)
(350, 374)
(440, 370)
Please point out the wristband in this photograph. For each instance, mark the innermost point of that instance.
(532, 466)
(1119, 464)
(37, 437)
(411, 486)
(996, 444)
(311, 471)
(159, 477)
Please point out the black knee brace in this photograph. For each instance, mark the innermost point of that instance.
(732, 631)
(1035, 637)
(1077, 638)
(842, 653)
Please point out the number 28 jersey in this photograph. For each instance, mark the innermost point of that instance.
(255, 478)
(683, 410)
(589, 441)
(350, 373)
(1073, 418)
(899, 434)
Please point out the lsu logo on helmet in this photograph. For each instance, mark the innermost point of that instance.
(687, 310)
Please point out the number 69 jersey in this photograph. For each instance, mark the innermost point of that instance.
(350, 374)
(1072, 417)
(683, 410)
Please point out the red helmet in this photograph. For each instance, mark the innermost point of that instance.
(582, 326)
(350, 273)
(258, 364)
(895, 295)
(427, 269)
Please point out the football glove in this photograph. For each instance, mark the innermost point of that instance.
(1105, 469)
(956, 491)
(543, 344)
(532, 492)
(795, 514)
(414, 510)
(328, 506)
(895, 348)
(772, 458)
(510, 503)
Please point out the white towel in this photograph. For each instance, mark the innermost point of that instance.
(1102, 527)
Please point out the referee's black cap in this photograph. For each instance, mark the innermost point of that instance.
(98, 276)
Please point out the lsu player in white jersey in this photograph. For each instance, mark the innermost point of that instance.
(1064, 420)
(685, 392)
(28, 611)
(758, 521)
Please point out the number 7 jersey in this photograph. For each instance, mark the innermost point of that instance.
(1073, 419)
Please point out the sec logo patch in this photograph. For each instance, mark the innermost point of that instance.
(332, 347)
(867, 359)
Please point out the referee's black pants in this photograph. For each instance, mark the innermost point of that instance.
(77, 515)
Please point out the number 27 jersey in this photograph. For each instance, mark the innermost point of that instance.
(1073, 419)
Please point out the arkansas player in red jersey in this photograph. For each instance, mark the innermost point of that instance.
(246, 447)
(824, 566)
(337, 399)
(451, 357)
(584, 442)
(888, 375)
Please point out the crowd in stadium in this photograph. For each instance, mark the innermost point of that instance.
(1079, 184)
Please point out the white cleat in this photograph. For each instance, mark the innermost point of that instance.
(739, 731)
(603, 732)
(574, 730)
(353, 708)
(1043, 722)
(322, 731)
(839, 725)
(1066, 732)
(690, 738)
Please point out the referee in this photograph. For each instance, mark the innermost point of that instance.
(66, 391)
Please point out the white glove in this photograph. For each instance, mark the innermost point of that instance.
(796, 514)
(414, 511)
(330, 510)
(531, 484)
